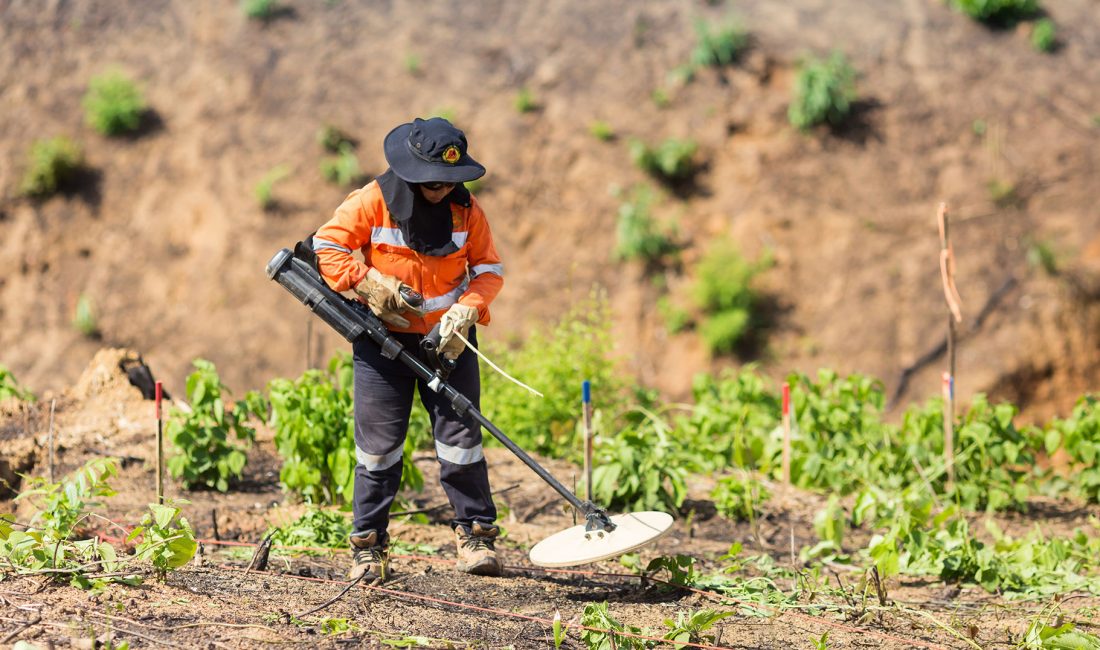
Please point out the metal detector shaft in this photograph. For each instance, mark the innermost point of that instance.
(354, 320)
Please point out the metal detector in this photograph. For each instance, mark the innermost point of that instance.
(599, 538)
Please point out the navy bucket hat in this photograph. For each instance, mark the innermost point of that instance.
(430, 151)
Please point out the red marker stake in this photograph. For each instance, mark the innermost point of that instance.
(160, 448)
(787, 433)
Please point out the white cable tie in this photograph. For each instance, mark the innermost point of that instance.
(495, 366)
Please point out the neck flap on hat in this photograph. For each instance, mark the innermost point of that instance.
(426, 226)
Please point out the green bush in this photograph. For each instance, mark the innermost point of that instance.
(998, 12)
(314, 424)
(723, 291)
(167, 540)
(84, 316)
(316, 528)
(113, 104)
(262, 10)
(669, 161)
(53, 164)
(823, 92)
(738, 497)
(10, 387)
(601, 130)
(555, 362)
(332, 139)
(525, 101)
(637, 236)
(343, 168)
(1079, 436)
(1044, 35)
(265, 188)
(720, 47)
(205, 456)
(640, 468)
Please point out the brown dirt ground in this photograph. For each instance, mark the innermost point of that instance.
(167, 239)
(213, 603)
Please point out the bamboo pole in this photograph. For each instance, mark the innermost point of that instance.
(954, 316)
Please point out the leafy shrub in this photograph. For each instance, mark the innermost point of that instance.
(316, 527)
(636, 232)
(205, 456)
(723, 290)
(10, 387)
(314, 424)
(525, 101)
(823, 92)
(993, 459)
(167, 540)
(596, 615)
(343, 168)
(84, 317)
(731, 421)
(1079, 436)
(720, 47)
(113, 104)
(1044, 35)
(63, 506)
(998, 12)
(555, 362)
(265, 188)
(639, 469)
(262, 10)
(601, 130)
(54, 163)
(669, 161)
(332, 139)
(738, 497)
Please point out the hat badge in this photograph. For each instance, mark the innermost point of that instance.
(451, 155)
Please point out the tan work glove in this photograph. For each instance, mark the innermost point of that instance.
(458, 318)
(382, 293)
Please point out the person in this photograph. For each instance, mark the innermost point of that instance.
(417, 227)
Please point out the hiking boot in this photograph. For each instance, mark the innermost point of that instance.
(369, 556)
(476, 553)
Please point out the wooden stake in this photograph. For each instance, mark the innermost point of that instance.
(954, 307)
(53, 404)
(787, 433)
(160, 446)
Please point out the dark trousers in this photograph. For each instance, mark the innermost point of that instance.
(383, 401)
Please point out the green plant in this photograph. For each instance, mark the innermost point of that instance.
(601, 130)
(343, 168)
(669, 161)
(474, 186)
(661, 98)
(316, 527)
(84, 317)
(1041, 635)
(332, 139)
(265, 188)
(720, 47)
(262, 10)
(65, 505)
(205, 456)
(167, 540)
(738, 497)
(1044, 35)
(823, 92)
(53, 164)
(689, 627)
(640, 469)
(555, 361)
(314, 433)
(113, 104)
(336, 626)
(525, 101)
(412, 64)
(829, 525)
(821, 642)
(11, 389)
(596, 615)
(998, 12)
(723, 291)
(637, 235)
(1041, 255)
(1002, 193)
(559, 633)
(1079, 436)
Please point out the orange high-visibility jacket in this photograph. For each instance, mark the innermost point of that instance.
(472, 276)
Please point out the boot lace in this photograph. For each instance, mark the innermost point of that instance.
(372, 554)
(478, 543)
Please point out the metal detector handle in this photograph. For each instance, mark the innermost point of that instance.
(412, 297)
(430, 345)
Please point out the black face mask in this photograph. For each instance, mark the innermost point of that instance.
(426, 226)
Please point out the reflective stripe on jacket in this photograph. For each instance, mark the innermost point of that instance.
(472, 276)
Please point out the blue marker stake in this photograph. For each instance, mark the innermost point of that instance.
(586, 400)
